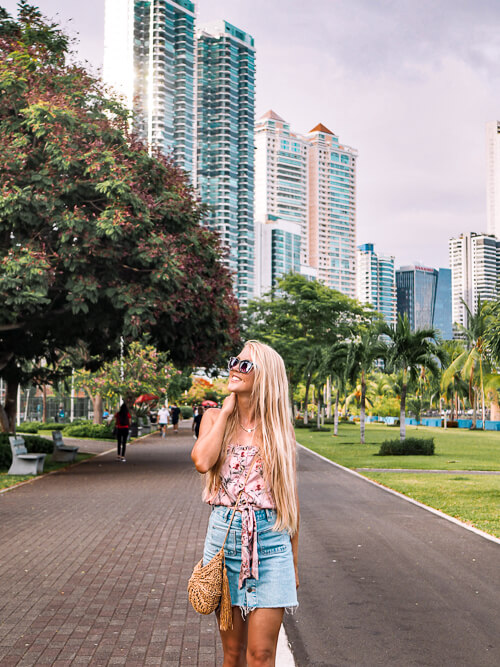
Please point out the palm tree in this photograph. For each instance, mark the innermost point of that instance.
(361, 356)
(409, 351)
(336, 359)
(472, 363)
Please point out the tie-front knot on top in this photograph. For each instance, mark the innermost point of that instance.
(256, 495)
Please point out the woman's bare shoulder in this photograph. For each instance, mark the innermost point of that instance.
(211, 413)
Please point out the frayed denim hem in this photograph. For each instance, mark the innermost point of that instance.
(246, 610)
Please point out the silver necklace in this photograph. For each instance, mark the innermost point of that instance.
(248, 430)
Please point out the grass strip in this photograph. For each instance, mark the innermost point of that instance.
(456, 449)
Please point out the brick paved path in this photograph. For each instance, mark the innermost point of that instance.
(94, 563)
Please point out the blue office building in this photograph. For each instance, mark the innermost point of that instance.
(424, 294)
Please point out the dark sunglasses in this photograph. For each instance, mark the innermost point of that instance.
(241, 365)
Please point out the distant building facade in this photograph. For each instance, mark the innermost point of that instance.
(309, 180)
(376, 281)
(332, 210)
(279, 244)
(475, 272)
(225, 140)
(423, 294)
(149, 54)
(493, 177)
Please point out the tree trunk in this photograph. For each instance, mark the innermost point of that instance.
(306, 400)
(474, 408)
(336, 414)
(9, 410)
(44, 404)
(402, 413)
(97, 408)
(318, 412)
(328, 398)
(362, 410)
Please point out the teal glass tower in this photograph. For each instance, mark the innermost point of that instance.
(149, 55)
(225, 145)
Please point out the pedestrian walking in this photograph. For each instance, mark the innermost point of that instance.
(175, 411)
(163, 414)
(197, 421)
(247, 450)
(122, 425)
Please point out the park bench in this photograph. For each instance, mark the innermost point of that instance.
(22, 462)
(62, 453)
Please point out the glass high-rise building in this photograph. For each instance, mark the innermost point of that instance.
(376, 281)
(149, 54)
(332, 210)
(279, 245)
(225, 144)
(424, 294)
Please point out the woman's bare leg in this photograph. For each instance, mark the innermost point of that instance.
(234, 642)
(263, 630)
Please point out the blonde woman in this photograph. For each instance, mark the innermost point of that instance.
(249, 443)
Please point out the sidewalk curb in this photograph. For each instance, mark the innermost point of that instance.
(452, 519)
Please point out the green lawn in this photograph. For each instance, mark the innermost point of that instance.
(474, 499)
(456, 449)
(11, 480)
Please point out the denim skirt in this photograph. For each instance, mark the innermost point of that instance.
(275, 586)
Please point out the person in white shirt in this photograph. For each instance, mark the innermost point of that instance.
(163, 414)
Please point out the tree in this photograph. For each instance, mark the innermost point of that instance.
(98, 238)
(301, 319)
(409, 351)
(492, 334)
(143, 370)
(473, 363)
(364, 350)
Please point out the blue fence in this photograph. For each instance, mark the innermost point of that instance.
(436, 422)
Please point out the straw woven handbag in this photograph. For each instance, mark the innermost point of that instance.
(208, 586)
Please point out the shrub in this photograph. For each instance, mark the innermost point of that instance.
(52, 426)
(186, 411)
(321, 429)
(28, 427)
(97, 431)
(34, 444)
(300, 424)
(409, 446)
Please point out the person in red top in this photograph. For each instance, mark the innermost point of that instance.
(122, 423)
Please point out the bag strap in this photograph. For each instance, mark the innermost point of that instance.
(238, 498)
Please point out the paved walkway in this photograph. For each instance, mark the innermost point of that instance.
(94, 563)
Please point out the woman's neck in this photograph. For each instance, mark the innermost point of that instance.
(246, 413)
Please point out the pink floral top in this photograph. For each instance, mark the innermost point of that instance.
(256, 495)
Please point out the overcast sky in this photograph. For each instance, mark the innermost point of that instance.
(409, 83)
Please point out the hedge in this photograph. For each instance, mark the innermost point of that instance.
(409, 446)
(98, 431)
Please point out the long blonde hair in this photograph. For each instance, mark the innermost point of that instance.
(272, 412)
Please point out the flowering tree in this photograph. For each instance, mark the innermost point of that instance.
(98, 238)
(143, 370)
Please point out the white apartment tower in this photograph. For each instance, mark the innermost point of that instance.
(475, 272)
(376, 281)
(332, 210)
(493, 177)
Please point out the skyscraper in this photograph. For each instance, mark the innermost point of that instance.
(424, 294)
(281, 174)
(493, 177)
(475, 272)
(149, 56)
(376, 281)
(225, 157)
(332, 210)
(278, 251)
